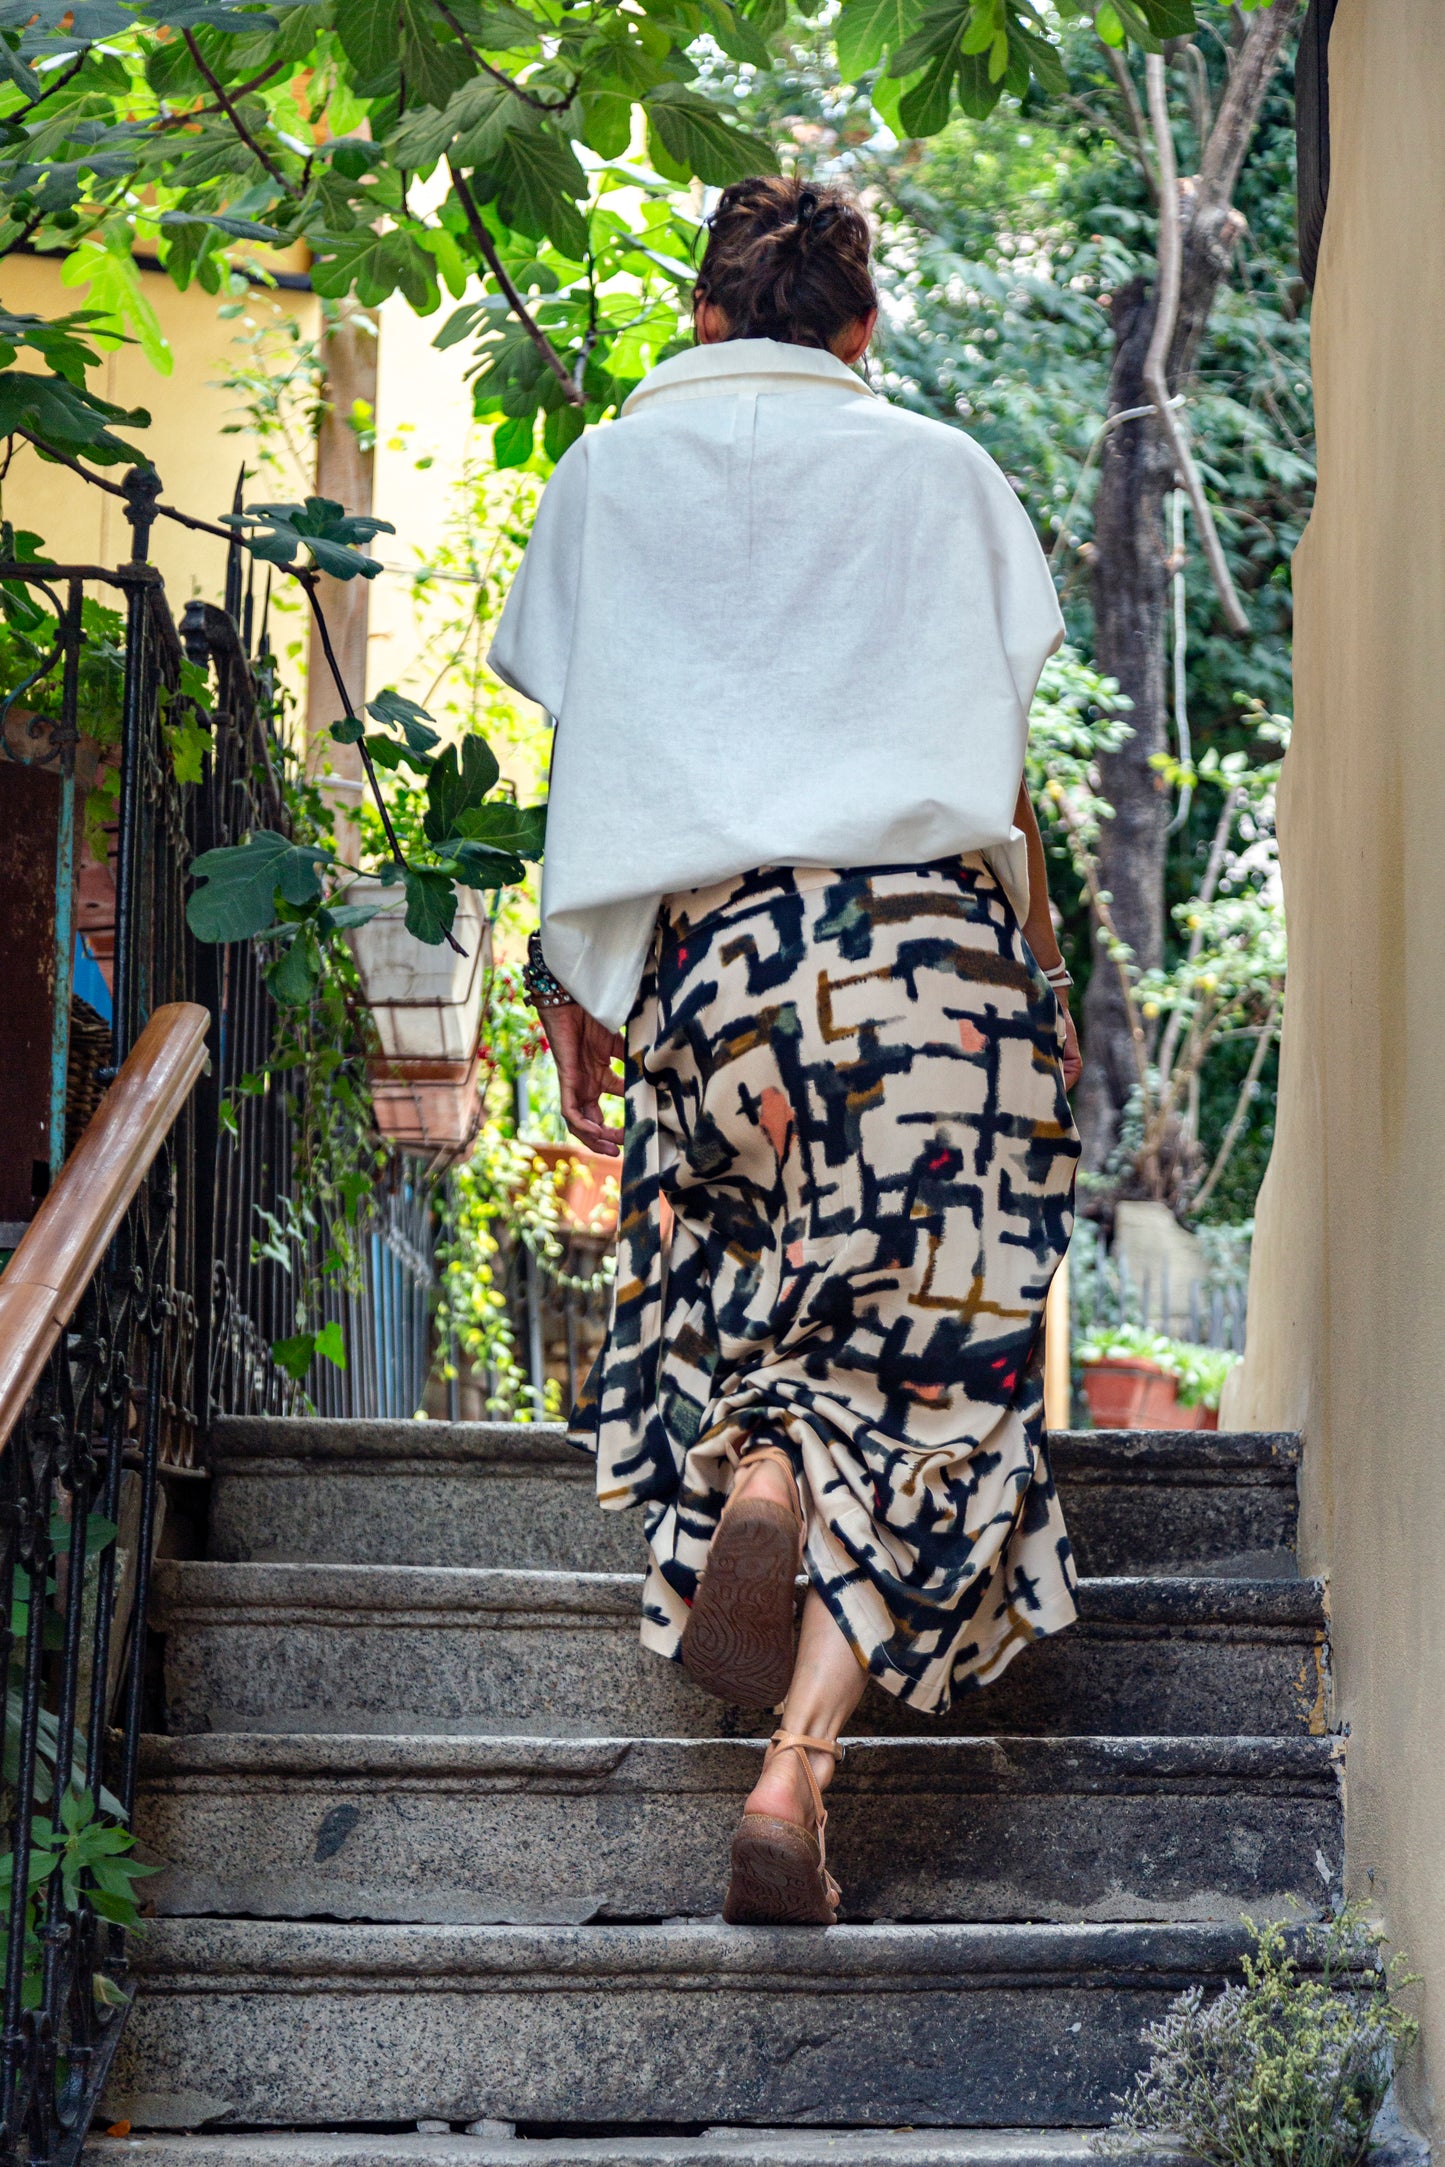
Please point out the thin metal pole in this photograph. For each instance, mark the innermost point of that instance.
(65, 881)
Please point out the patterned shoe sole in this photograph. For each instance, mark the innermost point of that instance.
(775, 1879)
(738, 1640)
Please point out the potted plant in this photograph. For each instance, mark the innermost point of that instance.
(587, 1185)
(1130, 1378)
(427, 1004)
(1135, 1379)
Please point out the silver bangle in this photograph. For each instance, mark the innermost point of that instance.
(1059, 977)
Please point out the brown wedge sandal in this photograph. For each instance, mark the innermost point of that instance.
(780, 1871)
(738, 1639)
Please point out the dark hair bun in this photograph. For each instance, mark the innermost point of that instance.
(787, 261)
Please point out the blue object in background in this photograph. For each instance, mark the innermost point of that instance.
(88, 982)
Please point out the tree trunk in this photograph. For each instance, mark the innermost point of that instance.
(1130, 576)
(344, 472)
(1130, 581)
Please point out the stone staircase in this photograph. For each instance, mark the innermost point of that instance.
(447, 1848)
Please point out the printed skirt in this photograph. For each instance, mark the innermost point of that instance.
(848, 1088)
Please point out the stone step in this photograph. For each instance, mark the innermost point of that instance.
(712, 2148)
(410, 1649)
(513, 1495)
(685, 2023)
(480, 1831)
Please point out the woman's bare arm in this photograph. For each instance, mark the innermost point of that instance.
(1039, 926)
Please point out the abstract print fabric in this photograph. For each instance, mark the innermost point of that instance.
(848, 1088)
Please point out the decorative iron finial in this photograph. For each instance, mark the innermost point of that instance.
(193, 633)
(142, 488)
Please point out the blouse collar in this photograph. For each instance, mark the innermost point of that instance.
(739, 365)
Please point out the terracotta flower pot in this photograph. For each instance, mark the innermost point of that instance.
(1128, 1392)
(587, 1205)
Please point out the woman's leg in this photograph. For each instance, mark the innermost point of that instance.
(828, 1682)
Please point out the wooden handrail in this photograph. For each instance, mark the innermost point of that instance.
(64, 1246)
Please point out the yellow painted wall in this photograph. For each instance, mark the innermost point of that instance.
(1347, 1306)
(423, 414)
(196, 462)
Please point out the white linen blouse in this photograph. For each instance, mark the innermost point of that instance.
(778, 621)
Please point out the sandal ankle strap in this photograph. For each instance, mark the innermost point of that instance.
(784, 1740)
(800, 1743)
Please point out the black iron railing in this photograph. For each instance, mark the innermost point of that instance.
(177, 1325)
(80, 1491)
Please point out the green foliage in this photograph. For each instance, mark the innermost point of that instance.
(99, 1533)
(244, 885)
(199, 131)
(1289, 2069)
(1004, 247)
(933, 53)
(91, 1857)
(501, 1201)
(274, 888)
(1076, 715)
(330, 535)
(32, 676)
(55, 406)
(317, 1063)
(296, 1355)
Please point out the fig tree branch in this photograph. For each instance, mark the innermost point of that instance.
(487, 248)
(219, 92)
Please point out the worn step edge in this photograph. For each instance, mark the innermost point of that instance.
(538, 1832)
(258, 1444)
(202, 1591)
(714, 2148)
(989, 1766)
(284, 1956)
(862, 2026)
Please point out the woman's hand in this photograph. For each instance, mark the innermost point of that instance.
(584, 1052)
(1073, 1059)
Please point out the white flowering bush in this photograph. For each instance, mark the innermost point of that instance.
(1288, 2069)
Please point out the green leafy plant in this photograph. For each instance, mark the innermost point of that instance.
(316, 1061)
(92, 1857)
(504, 1199)
(53, 408)
(1227, 981)
(1200, 1371)
(1288, 2069)
(274, 888)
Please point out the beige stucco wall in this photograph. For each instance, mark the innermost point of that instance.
(1347, 1311)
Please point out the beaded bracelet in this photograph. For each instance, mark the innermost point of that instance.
(543, 990)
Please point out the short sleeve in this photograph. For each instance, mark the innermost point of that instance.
(1030, 622)
(533, 646)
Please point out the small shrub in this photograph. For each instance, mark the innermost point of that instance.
(1200, 1371)
(1283, 2071)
